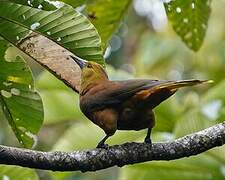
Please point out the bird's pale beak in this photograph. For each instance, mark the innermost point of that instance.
(81, 62)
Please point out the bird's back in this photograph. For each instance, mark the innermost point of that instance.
(115, 93)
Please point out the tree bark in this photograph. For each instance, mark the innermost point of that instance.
(117, 155)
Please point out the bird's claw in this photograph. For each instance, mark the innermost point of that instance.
(103, 146)
(148, 141)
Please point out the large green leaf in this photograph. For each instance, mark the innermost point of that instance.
(198, 168)
(193, 121)
(218, 154)
(60, 102)
(40, 4)
(18, 173)
(189, 19)
(65, 26)
(212, 105)
(75, 3)
(76, 137)
(79, 136)
(207, 112)
(106, 16)
(213, 109)
(215, 93)
(167, 114)
(21, 104)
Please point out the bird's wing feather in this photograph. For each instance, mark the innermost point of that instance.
(120, 91)
(128, 88)
(144, 88)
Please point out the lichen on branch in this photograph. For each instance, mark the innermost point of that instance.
(117, 155)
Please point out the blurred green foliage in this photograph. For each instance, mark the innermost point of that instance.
(138, 50)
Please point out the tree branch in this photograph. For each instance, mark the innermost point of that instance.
(118, 155)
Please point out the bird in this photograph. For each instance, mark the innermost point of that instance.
(122, 105)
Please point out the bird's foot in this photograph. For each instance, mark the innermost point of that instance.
(103, 146)
(148, 141)
(148, 137)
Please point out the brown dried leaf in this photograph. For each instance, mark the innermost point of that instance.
(53, 57)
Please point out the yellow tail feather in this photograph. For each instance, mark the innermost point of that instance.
(178, 84)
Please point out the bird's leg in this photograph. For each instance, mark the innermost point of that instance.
(102, 144)
(147, 138)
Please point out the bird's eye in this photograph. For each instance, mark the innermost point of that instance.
(89, 66)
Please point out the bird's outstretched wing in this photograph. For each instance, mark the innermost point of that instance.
(153, 92)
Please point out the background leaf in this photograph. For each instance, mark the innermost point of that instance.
(15, 172)
(106, 16)
(76, 138)
(191, 168)
(189, 20)
(60, 102)
(21, 105)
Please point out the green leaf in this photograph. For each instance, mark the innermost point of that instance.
(215, 93)
(166, 115)
(207, 112)
(75, 3)
(106, 16)
(65, 26)
(40, 4)
(193, 121)
(200, 168)
(47, 82)
(213, 103)
(218, 154)
(60, 102)
(21, 104)
(60, 105)
(79, 136)
(76, 137)
(189, 20)
(18, 173)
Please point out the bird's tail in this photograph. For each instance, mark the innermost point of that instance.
(174, 85)
(164, 89)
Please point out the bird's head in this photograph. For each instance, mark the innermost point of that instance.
(91, 72)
